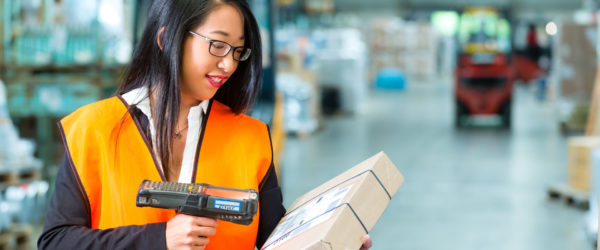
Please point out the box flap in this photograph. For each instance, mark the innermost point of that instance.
(380, 165)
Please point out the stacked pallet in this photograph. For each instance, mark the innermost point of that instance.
(579, 171)
(23, 196)
(18, 236)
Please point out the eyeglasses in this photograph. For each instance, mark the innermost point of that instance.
(221, 49)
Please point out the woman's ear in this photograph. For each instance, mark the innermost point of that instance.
(159, 37)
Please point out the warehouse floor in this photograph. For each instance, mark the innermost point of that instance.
(473, 188)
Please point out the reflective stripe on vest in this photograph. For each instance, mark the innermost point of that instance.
(111, 157)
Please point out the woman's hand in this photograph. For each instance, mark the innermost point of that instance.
(367, 242)
(189, 232)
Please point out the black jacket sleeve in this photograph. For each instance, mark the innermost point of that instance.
(271, 208)
(67, 223)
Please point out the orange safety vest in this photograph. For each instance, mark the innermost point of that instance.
(111, 156)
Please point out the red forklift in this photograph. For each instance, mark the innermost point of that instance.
(484, 76)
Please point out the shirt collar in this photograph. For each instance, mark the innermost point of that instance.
(204, 106)
(139, 97)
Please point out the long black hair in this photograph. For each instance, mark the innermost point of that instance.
(159, 69)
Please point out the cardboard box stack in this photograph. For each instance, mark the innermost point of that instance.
(341, 64)
(408, 46)
(301, 95)
(337, 214)
(579, 163)
(575, 64)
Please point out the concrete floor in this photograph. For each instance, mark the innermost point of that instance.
(474, 188)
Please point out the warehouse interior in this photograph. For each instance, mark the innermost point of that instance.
(488, 108)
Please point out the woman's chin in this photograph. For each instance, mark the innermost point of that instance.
(206, 96)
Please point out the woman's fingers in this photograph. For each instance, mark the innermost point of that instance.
(367, 242)
(203, 221)
(189, 232)
(202, 231)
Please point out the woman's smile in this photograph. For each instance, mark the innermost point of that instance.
(216, 80)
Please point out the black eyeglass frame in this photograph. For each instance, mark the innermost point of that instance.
(244, 54)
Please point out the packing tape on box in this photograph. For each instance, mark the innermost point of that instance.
(337, 185)
(307, 224)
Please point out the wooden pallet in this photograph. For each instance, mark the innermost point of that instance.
(15, 177)
(17, 237)
(300, 135)
(569, 128)
(303, 134)
(572, 197)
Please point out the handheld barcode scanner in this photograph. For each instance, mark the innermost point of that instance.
(235, 205)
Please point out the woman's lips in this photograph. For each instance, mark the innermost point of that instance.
(216, 81)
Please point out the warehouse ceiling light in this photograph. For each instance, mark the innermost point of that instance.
(445, 22)
(551, 28)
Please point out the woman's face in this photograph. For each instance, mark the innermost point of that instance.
(202, 72)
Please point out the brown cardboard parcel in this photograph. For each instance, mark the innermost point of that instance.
(337, 214)
(580, 161)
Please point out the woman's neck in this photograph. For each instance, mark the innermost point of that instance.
(187, 102)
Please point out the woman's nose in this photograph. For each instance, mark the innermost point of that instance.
(227, 64)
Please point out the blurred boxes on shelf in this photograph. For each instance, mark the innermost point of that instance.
(50, 34)
(300, 102)
(35, 102)
(300, 94)
(337, 214)
(62, 99)
(38, 46)
(15, 153)
(341, 64)
(408, 46)
(330, 61)
(348, 77)
(23, 197)
(54, 97)
(580, 161)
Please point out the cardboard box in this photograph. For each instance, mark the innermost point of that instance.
(337, 214)
(579, 161)
(577, 57)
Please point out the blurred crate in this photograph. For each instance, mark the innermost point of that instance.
(390, 79)
(576, 192)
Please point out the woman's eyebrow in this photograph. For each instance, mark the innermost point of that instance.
(220, 32)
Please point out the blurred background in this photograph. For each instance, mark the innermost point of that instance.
(489, 108)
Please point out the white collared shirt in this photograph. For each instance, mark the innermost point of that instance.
(139, 97)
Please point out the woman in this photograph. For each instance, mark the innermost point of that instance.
(178, 116)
